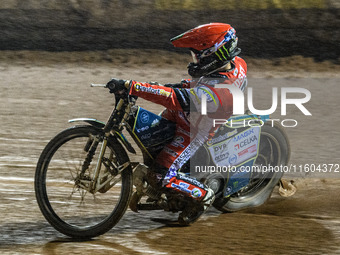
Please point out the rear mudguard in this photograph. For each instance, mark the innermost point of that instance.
(100, 125)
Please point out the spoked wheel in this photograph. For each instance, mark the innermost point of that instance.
(274, 151)
(67, 196)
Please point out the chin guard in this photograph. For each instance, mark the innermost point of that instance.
(210, 64)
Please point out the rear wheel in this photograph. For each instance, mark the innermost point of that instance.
(274, 150)
(63, 183)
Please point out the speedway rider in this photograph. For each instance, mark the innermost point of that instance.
(214, 50)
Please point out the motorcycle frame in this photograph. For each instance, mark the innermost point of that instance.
(113, 128)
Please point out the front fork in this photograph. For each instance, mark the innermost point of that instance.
(92, 182)
(96, 182)
(102, 179)
(86, 182)
(103, 182)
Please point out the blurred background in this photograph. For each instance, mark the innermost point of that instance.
(266, 28)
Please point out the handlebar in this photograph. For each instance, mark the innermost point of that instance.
(129, 97)
(98, 85)
(109, 85)
(122, 108)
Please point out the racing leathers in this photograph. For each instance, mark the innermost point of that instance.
(183, 107)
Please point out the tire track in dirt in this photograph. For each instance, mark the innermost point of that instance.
(36, 102)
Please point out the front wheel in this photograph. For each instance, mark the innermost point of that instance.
(274, 150)
(63, 183)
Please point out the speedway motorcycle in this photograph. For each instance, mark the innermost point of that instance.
(84, 178)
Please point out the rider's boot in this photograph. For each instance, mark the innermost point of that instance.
(192, 213)
(202, 196)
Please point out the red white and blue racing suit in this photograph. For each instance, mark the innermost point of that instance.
(192, 130)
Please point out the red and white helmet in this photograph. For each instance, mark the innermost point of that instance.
(212, 46)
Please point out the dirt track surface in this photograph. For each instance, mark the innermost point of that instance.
(40, 92)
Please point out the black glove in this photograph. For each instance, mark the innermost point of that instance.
(177, 85)
(173, 85)
(118, 86)
(154, 83)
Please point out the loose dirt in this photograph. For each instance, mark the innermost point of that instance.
(40, 91)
